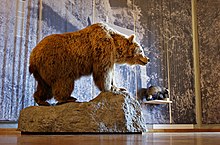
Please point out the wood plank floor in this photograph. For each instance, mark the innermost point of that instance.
(190, 138)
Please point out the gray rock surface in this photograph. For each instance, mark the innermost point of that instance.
(108, 113)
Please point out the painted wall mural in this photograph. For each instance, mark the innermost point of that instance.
(67, 16)
(162, 27)
(18, 26)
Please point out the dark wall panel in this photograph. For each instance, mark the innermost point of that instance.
(209, 46)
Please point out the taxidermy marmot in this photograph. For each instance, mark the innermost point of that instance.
(153, 93)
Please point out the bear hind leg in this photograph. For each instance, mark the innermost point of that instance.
(62, 91)
(42, 94)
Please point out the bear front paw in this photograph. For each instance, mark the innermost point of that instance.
(117, 90)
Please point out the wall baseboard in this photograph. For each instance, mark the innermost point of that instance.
(8, 124)
(183, 128)
(173, 126)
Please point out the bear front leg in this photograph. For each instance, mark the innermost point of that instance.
(102, 79)
(115, 89)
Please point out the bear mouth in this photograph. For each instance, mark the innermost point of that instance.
(143, 61)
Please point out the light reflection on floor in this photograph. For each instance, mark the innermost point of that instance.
(199, 138)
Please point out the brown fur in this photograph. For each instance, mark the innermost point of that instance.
(59, 59)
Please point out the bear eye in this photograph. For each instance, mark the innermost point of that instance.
(138, 51)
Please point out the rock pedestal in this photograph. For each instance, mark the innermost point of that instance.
(107, 113)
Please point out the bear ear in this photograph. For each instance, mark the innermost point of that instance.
(131, 38)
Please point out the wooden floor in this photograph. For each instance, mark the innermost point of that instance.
(190, 138)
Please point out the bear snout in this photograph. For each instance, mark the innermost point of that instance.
(144, 60)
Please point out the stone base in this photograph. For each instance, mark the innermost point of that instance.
(107, 113)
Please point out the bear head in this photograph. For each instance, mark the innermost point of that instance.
(129, 51)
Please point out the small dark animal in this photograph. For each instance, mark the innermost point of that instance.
(153, 93)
